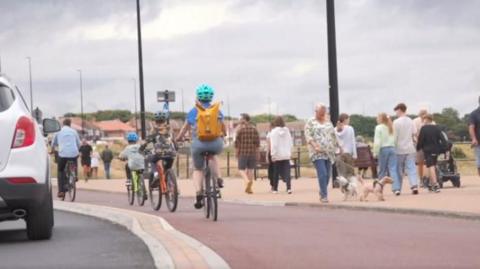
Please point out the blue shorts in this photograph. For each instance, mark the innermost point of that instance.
(477, 154)
(200, 147)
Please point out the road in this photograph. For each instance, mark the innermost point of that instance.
(289, 237)
(77, 242)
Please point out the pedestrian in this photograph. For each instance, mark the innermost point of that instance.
(346, 135)
(280, 144)
(247, 142)
(474, 130)
(405, 136)
(432, 141)
(420, 158)
(86, 158)
(107, 157)
(94, 163)
(322, 145)
(384, 148)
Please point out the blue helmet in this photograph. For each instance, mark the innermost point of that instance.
(205, 93)
(161, 116)
(132, 137)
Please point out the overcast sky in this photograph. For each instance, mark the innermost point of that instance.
(425, 53)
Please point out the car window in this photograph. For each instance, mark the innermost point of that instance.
(6, 98)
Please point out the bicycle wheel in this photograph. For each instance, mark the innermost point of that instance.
(130, 195)
(206, 192)
(171, 197)
(155, 193)
(213, 199)
(72, 186)
(141, 192)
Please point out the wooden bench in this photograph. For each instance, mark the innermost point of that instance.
(366, 160)
(263, 163)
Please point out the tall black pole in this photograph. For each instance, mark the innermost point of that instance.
(31, 85)
(81, 102)
(140, 73)
(135, 99)
(332, 62)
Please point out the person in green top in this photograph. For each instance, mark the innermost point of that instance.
(384, 148)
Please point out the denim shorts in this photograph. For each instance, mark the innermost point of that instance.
(200, 147)
(247, 162)
(477, 154)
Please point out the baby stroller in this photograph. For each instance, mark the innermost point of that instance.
(447, 167)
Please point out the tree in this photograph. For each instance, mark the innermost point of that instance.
(363, 125)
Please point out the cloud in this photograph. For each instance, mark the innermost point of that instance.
(419, 52)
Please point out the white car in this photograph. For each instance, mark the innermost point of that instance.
(25, 186)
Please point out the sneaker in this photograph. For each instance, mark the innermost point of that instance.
(220, 183)
(415, 191)
(275, 192)
(436, 188)
(289, 191)
(324, 200)
(61, 195)
(199, 202)
(397, 193)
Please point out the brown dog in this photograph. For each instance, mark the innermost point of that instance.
(377, 188)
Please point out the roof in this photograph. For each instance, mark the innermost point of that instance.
(114, 125)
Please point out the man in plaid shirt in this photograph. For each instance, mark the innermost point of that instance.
(247, 142)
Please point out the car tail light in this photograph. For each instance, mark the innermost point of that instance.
(24, 133)
(21, 180)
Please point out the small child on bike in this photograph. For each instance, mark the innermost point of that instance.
(164, 151)
(132, 154)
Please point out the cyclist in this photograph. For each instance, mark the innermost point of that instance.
(68, 143)
(205, 94)
(131, 153)
(164, 148)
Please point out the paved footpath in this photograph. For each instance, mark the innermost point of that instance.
(253, 236)
(451, 200)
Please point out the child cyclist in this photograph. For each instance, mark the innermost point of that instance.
(163, 147)
(131, 153)
(206, 136)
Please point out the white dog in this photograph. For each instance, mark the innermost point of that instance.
(349, 187)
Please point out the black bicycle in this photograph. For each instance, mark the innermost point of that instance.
(211, 194)
(71, 184)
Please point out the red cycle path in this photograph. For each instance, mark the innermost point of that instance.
(290, 237)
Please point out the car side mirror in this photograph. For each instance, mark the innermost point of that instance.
(50, 126)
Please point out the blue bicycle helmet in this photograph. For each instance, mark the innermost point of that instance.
(132, 137)
(205, 93)
(161, 116)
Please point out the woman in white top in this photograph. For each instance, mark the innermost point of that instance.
(280, 145)
(346, 135)
(94, 163)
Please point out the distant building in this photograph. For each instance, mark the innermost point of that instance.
(114, 129)
(91, 131)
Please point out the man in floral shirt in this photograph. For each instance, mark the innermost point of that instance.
(322, 145)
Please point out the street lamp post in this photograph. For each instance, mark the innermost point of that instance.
(81, 101)
(31, 88)
(140, 73)
(332, 62)
(332, 72)
(135, 99)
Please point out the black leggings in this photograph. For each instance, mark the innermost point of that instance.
(281, 169)
(62, 162)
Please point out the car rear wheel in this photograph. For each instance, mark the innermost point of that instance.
(40, 220)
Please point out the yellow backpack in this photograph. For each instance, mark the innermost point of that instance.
(209, 126)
